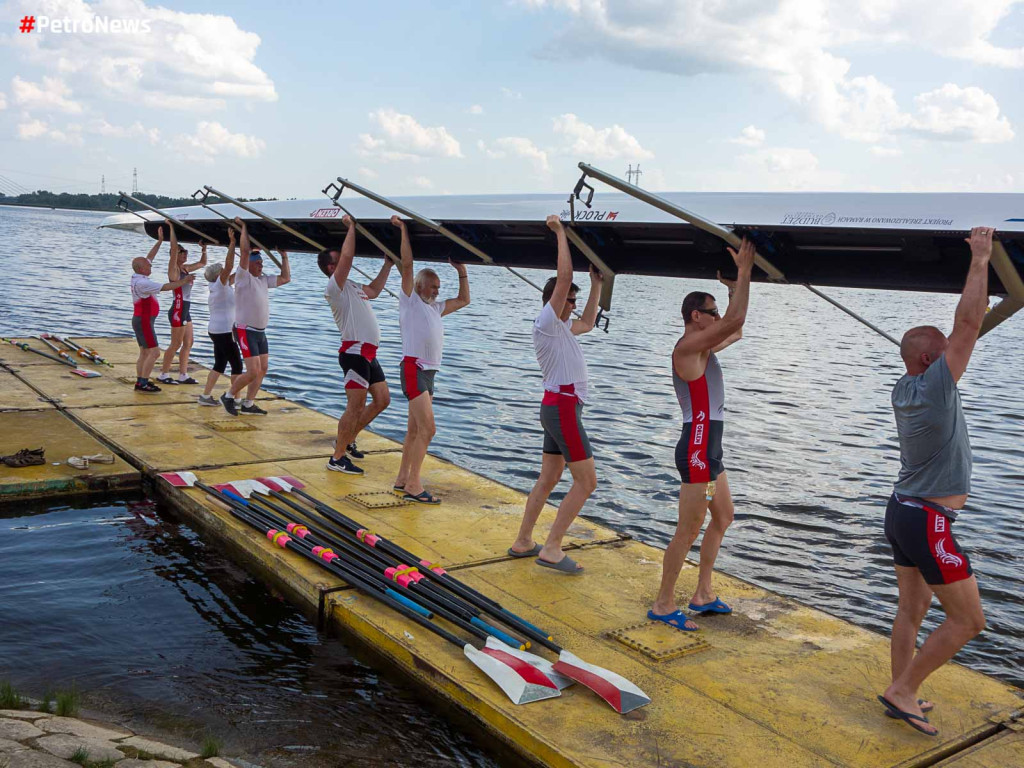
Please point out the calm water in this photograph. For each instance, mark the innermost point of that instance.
(810, 440)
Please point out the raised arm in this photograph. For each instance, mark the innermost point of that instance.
(462, 300)
(229, 260)
(696, 341)
(246, 248)
(563, 281)
(197, 264)
(286, 270)
(586, 324)
(406, 266)
(156, 246)
(173, 273)
(347, 254)
(970, 312)
(731, 286)
(373, 290)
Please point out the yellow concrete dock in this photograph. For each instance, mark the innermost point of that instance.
(776, 684)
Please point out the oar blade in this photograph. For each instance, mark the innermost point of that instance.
(180, 479)
(537, 662)
(620, 694)
(520, 681)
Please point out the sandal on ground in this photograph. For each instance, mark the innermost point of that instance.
(399, 489)
(78, 462)
(100, 458)
(715, 606)
(926, 707)
(423, 497)
(677, 620)
(908, 717)
(565, 565)
(25, 458)
(187, 380)
(531, 552)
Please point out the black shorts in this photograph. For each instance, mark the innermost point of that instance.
(699, 452)
(415, 380)
(360, 373)
(179, 313)
(252, 341)
(922, 537)
(561, 417)
(226, 351)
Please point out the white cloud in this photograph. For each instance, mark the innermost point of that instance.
(750, 136)
(783, 168)
(476, 109)
(32, 129)
(403, 138)
(50, 94)
(422, 182)
(193, 61)
(213, 139)
(368, 173)
(964, 114)
(3, 100)
(511, 94)
(879, 151)
(136, 130)
(587, 141)
(792, 44)
(517, 146)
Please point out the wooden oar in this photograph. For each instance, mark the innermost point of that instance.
(74, 368)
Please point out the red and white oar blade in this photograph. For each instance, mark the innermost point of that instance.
(545, 667)
(621, 694)
(238, 487)
(85, 374)
(282, 484)
(180, 479)
(521, 682)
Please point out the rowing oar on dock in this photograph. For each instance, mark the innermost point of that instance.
(65, 360)
(285, 228)
(78, 349)
(621, 694)
(520, 681)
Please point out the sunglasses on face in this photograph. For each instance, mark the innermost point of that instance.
(571, 300)
(712, 312)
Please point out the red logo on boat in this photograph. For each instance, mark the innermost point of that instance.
(325, 213)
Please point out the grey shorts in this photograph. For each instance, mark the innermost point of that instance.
(415, 380)
(563, 428)
(251, 341)
(145, 331)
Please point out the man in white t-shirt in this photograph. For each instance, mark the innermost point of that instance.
(565, 391)
(252, 313)
(419, 317)
(357, 356)
(146, 308)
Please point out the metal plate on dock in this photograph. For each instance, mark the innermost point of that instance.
(377, 500)
(659, 642)
(230, 425)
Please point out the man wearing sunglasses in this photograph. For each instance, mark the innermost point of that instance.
(565, 391)
(699, 386)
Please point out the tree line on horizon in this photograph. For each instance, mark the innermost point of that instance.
(103, 202)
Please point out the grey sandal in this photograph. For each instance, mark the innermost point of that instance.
(532, 552)
(565, 565)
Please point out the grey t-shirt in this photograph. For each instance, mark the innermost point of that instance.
(935, 451)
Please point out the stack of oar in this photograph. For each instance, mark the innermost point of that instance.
(78, 349)
(417, 589)
(61, 356)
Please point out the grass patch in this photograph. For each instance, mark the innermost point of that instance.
(108, 763)
(10, 698)
(211, 747)
(80, 756)
(46, 705)
(67, 702)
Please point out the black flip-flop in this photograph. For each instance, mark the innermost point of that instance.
(908, 717)
(926, 707)
(423, 497)
(531, 552)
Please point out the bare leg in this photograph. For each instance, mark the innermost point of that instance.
(186, 347)
(551, 470)
(693, 508)
(257, 382)
(410, 437)
(965, 620)
(381, 400)
(148, 361)
(177, 335)
(348, 424)
(421, 411)
(211, 382)
(252, 371)
(721, 518)
(915, 600)
(584, 481)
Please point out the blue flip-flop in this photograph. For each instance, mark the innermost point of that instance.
(671, 619)
(715, 606)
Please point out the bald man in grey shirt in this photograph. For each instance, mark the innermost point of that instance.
(934, 480)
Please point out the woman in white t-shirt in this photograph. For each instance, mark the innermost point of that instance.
(222, 317)
(419, 317)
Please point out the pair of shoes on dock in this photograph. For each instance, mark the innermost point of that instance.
(231, 406)
(83, 462)
(26, 457)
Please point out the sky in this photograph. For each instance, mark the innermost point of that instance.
(489, 97)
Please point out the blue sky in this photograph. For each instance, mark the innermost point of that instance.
(413, 98)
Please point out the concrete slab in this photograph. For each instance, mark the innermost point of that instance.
(186, 435)
(16, 395)
(61, 438)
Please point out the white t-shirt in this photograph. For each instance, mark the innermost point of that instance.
(252, 305)
(559, 353)
(352, 312)
(144, 287)
(422, 330)
(222, 306)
